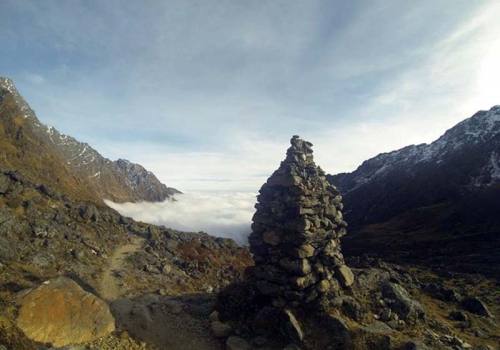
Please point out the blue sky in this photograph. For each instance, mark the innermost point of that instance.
(207, 93)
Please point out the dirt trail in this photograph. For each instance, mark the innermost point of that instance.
(109, 288)
(174, 323)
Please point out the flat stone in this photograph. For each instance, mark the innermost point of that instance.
(61, 313)
(237, 343)
(323, 286)
(304, 211)
(331, 211)
(346, 276)
(331, 248)
(303, 282)
(296, 266)
(304, 251)
(220, 329)
(271, 238)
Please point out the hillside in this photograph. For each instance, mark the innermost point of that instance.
(431, 203)
(45, 235)
(74, 274)
(47, 156)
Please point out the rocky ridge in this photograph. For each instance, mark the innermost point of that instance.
(119, 180)
(480, 130)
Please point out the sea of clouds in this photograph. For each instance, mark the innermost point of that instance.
(221, 214)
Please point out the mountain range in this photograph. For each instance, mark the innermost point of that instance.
(128, 285)
(436, 203)
(47, 156)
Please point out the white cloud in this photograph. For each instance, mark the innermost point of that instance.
(218, 214)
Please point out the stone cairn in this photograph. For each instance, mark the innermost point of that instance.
(296, 233)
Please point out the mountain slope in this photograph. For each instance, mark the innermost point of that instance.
(47, 156)
(430, 202)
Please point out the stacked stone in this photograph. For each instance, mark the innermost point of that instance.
(296, 233)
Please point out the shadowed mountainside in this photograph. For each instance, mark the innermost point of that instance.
(434, 203)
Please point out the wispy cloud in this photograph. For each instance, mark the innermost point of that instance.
(207, 94)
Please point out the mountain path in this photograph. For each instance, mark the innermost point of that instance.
(109, 288)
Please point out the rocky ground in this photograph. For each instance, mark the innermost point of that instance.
(302, 293)
(161, 286)
(44, 235)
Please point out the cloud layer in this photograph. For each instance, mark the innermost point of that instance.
(219, 214)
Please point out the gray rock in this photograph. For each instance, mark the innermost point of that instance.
(4, 183)
(271, 238)
(237, 343)
(415, 345)
(304, 251)
(476, 306)
(296, 266)
(401, 303)
(220, 329)
(374, 336)
(456, 342)
(349, 306)
(442, 293)
(346, 276)
(458, 315)
(89, 212)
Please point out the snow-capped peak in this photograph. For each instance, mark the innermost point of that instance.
(480, 129)
(8, 85)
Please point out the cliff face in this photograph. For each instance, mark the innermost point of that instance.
(60, 161)
(143, 182)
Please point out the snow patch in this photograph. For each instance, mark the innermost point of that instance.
(495, 166)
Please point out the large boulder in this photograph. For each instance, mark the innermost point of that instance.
(476, 306)
(60, 312)
(401, 303)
